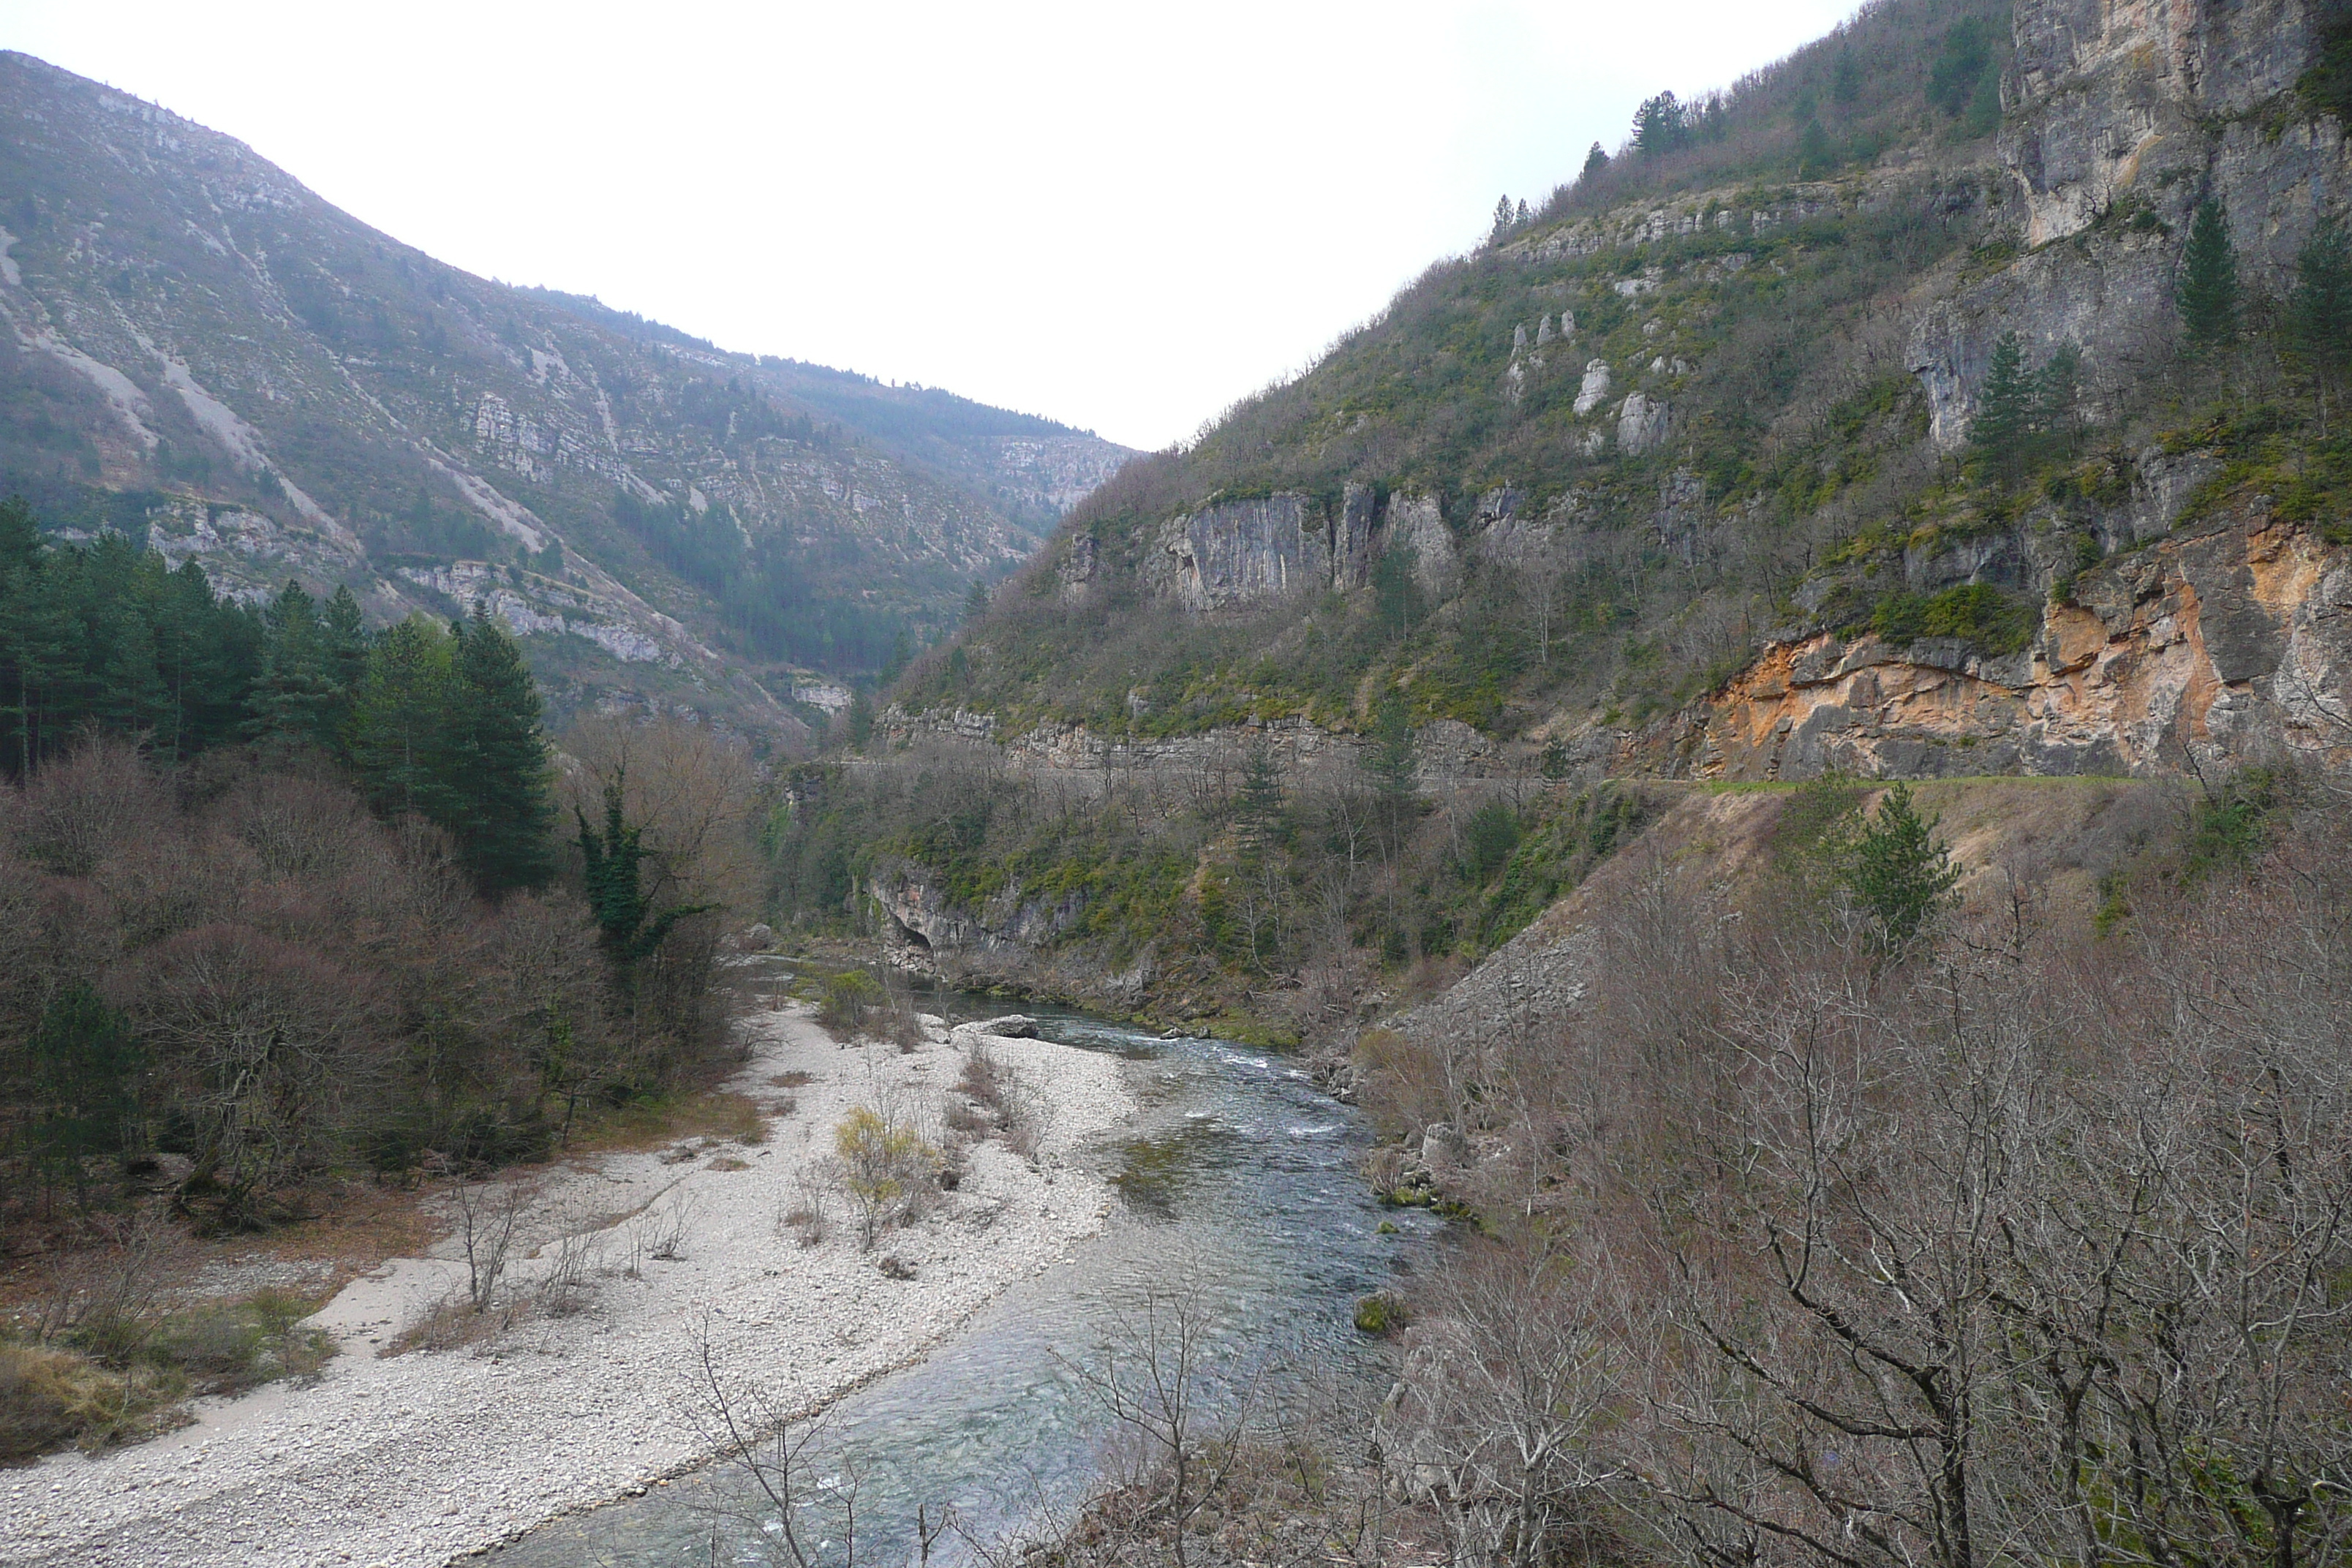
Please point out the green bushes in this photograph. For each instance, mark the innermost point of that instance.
(1988, 620)
(1382, 1314)
(117, 1371)
(852, 1001)
(887, 1169)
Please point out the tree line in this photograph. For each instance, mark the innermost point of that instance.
(443, 722)
(283, 897)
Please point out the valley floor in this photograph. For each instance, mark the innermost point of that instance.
(419, 1457)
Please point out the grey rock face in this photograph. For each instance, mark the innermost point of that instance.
(929, 934)
(1595, 387)
(1644, 423)
(1240, 553)
(2123, 117)
(1417, 523)
(1077, 568)
(1353, 537)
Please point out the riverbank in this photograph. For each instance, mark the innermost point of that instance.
(418, 1457)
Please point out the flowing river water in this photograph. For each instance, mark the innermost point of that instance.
(1239, 1185)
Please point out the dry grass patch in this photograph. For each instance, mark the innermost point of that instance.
(673, 1118)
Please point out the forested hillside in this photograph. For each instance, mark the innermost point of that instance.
(203, 355)
(1956, 396)
(286, 902)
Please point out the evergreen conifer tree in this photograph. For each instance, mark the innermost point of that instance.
(1816, 155)
(293, 704)
(399, 712)
(1996, 435)
(1392, 763)
(2207, 292)
(2319, 312)
(1659, 126)
(2055, 419)
(1257, 808)
(1902, 875)
(343, 648)
(1596, 164)
(493, 767)
(1845, 78)
(84, 1062)
(109, 634)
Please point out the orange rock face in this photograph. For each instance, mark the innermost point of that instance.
(2225, 645)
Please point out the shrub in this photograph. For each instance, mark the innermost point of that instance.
(850, 1003)
(887, 1169)
(1380, 1314)
(1977, 613)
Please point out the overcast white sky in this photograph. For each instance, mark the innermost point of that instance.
(1123, 216)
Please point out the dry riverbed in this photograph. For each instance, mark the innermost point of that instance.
(424, 1456)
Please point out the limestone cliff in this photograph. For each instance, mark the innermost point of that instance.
(2226, 644)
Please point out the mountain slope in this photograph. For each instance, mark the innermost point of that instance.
(1710, 412)
(200, 347)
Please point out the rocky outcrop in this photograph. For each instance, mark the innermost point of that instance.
(1417, 523)
(1644, 423)
(2229, 644)
(1446, 750)
(1240, 553)
(926, 930)
(2123, 118)
(1235, 554)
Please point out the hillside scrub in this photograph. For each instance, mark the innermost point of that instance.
(2039, 1233)
(1233, 886)
(237, 967)
(1764, 269)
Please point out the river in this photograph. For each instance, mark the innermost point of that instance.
(1239, 1187)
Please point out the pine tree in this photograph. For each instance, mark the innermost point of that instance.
(1997, 434)
(1393, 762)
(343, 649)
(293, 704)
(1845, 80)
(31, 646)
(2319, 312)
(1659, 126)
(1502, 220)
(1596, 164)
(2207, 292)
(2055, 419)
(395, 736)
(1816, 154)
(1902, 874)
(493, 767)
(1257, 808)
(83, 1064)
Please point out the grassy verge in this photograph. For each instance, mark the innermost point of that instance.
(112, 1379)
